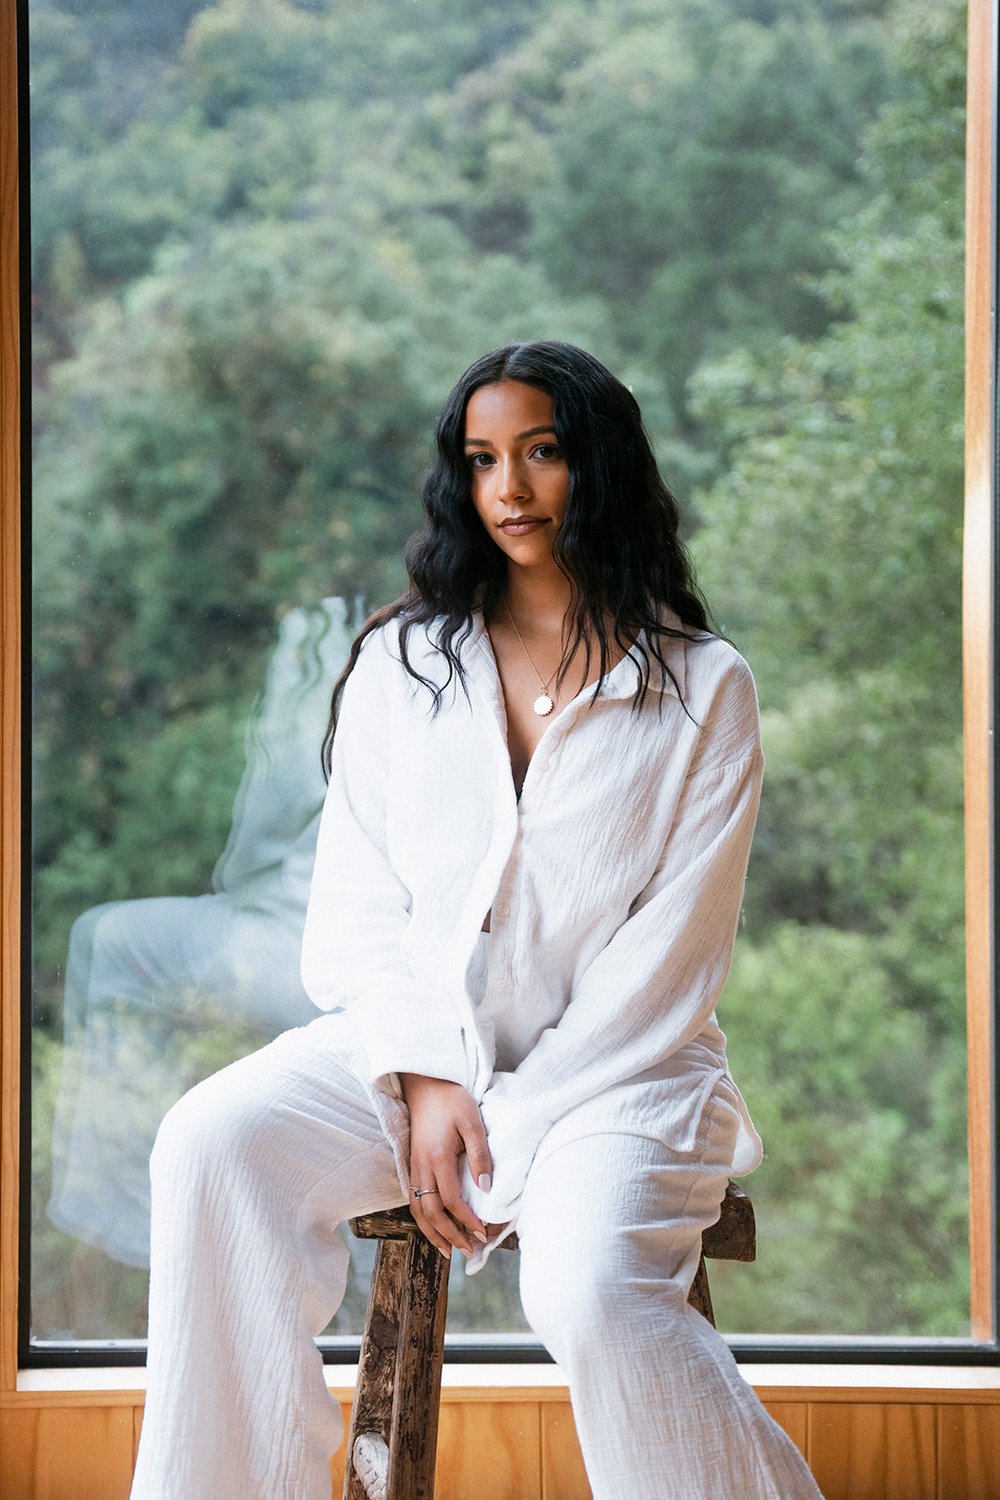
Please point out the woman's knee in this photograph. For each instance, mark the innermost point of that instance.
(557, 1299)
(590, 1296)
(211, 1129)
(275, 1128)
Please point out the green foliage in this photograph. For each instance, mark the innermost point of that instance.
(727, 146)
(834, 540)
(861, 1201)
(267, 234)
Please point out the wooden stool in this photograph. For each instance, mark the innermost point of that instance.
(392, 1443)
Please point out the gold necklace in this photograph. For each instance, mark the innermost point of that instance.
(543, 704)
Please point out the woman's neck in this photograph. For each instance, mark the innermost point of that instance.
(540, 601)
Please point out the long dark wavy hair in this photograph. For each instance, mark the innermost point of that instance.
(618, 542)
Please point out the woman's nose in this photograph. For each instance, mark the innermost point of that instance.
(512, 480)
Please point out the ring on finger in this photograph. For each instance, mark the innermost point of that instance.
(422, 1192)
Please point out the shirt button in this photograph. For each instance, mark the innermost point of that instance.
(544, 766)
(500, 984)
(504, 909)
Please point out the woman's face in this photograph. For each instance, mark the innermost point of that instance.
(518, 476)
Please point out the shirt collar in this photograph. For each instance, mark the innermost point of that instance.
(621, 681)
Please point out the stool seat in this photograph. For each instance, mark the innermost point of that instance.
(392, 1443)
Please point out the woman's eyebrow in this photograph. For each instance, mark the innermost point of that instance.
(518, 437)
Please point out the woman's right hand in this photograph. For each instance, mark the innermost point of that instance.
(445, 1124)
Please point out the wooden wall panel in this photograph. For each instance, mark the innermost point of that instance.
(563, 1474)
(489, 1451)
(968, 1453)
(793, 1416)
(340, 1457)
(866, 1451)
(66, 1453)
(522, 1445)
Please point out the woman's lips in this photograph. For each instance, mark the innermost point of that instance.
(522, 525)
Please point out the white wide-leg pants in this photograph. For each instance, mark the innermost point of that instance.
(252, 1171)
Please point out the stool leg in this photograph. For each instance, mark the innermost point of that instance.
(700, 1297)
(372, 1409)
(417, 1395)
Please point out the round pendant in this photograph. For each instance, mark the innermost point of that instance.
(542, 705)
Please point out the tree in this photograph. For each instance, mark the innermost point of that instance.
(833, 544)
(268, 235)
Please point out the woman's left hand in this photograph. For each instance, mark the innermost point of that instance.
(445, 1124)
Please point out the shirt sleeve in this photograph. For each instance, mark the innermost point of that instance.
(654, 986)
(359, 908)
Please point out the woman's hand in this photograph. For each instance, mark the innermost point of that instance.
(445, 1123)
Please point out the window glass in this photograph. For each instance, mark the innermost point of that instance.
(267, 236)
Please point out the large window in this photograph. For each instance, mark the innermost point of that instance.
(266, 237)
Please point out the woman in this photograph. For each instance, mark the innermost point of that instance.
(544, 775)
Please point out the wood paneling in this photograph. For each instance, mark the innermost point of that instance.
(860, 1451)
(489, 1451)
(793, 1416)
(66, 1453)
(968, 1453)
(522, 1445)
(340, 1457)
(563, 1474)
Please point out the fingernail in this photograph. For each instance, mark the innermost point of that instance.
(447, 1253)
(484, 1182)
(480, 1236)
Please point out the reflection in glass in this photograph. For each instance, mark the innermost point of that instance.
(162, 990)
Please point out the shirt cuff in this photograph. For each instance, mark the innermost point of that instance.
(435, 1050)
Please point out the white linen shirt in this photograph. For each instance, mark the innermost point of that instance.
(614, 883)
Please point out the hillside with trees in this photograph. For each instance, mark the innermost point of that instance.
(266, 238)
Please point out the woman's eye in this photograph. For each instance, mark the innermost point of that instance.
(546, 450)
(480, 460)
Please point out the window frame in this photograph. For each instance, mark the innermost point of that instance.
(980, 634)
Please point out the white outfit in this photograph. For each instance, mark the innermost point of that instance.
(585, 1028)
(615, 886)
